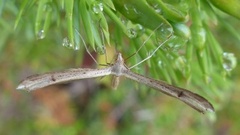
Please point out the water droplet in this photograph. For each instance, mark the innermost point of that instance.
(180, 62)
(76, 47)
(140, 29)
(174, 44)
(131, 33)
(182, 29)
(47, 7)
(182, 65)
(41, 34)
(134, 30)
(229, 61)
(101, 50)
(97, 7)
(157, 8)
(160, 63)
(136, 11)
(66, 43)
(124, 20)
(126, 7)
(207, 79)
(163, 32)
(131, 9)
(202, 35)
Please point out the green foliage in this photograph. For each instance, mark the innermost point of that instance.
(190, 43)
(232, 7)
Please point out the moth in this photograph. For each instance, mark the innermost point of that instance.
(117, 69)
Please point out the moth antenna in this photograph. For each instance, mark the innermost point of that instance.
(149, 56)
(84, 43)
(144, 42)
(155, 50)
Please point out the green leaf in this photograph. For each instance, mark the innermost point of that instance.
(139, 12)
(109, 3)
(169, 12)
(232, 7)
(24, 5)
(69, 16)
(87, 22)
(39, 25)
(114, 18)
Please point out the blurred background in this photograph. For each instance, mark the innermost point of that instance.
(197, 45)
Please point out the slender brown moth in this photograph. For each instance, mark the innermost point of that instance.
(118, 68)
